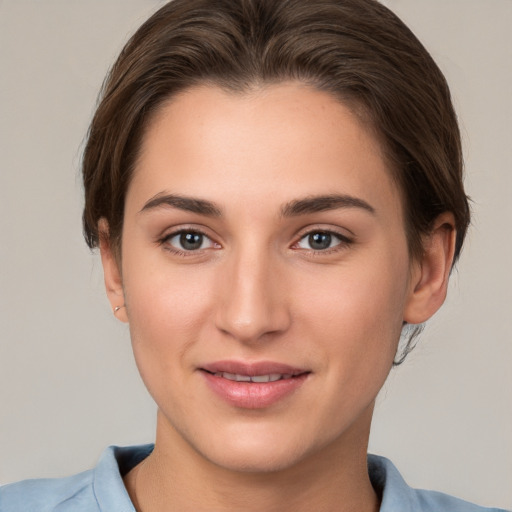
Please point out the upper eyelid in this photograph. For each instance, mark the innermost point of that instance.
(343, 241)
(176, 230)
(339, 232)
(344, 234)
(168, 235)
(165, 242)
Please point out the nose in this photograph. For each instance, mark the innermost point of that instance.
(253, 302)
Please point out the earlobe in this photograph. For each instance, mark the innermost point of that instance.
(430, 275)
(112, 273)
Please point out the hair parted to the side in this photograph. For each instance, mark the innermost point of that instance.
(357, 50)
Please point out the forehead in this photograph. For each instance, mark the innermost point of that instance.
(280, 141)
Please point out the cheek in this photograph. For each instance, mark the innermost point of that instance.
(167, 308)
(358, 311)
(167, 314)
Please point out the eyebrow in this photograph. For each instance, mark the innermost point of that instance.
(316, 204)
(307, 205)
(188, 204)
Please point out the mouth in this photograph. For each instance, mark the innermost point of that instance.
(253, 385)
(253, 369)
(272, 377)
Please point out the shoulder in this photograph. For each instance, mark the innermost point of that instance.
(99, 489)
(50, 494)
(397, 495)
(431, 500)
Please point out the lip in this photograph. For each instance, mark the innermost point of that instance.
(252, 368)
(253, 395)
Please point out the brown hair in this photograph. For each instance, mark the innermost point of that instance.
(357, 50)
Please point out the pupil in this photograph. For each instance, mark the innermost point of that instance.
(191, 241)
(320, 241)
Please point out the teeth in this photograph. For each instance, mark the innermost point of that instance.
(273, 377)
(266, 378)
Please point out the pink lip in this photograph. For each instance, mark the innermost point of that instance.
(253, 395)
(253, 368)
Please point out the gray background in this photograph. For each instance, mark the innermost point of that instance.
(68, 385)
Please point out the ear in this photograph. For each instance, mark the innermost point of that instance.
(111, 273)
(429, 276)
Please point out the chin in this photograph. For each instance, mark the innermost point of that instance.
(246, 459)
(253, 447)
(263, 448)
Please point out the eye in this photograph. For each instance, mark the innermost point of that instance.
(189, 241)
(321, 241)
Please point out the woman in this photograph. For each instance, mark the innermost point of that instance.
(276, 192)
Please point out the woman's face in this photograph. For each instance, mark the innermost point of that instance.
(265, 273)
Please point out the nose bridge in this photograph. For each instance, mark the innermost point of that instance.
(252, 302)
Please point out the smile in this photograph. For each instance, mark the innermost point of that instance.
(253, 385)
(273, 377)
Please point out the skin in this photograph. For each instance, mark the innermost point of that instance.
(258, 290)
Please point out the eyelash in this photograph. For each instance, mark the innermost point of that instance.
(165, 242)
(343, 242)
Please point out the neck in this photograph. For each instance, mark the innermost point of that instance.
(175, 477)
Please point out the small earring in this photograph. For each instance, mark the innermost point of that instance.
(117, 308)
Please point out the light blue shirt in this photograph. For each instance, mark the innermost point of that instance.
(102, 490)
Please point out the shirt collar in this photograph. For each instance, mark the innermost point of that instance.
(116, 462)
